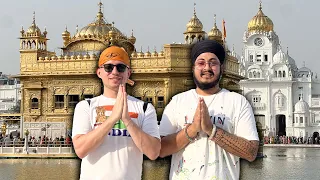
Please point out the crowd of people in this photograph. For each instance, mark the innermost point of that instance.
(41, 141)
(291, 140)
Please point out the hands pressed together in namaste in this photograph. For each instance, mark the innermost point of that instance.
(201, 120)
(120, 108)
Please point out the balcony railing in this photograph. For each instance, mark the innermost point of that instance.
(258, 106)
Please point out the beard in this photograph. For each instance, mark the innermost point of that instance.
(206, 86)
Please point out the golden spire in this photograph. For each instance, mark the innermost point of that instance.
(100, 20)
(154, 53)
(215, 33)
(22, 30)
(34, 29)
(66, 32)
(260, 8)
(100, 6)
(34, 18)
(148, 54)
(132, 39)
(194, 25)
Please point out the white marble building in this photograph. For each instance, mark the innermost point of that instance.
(285, 98)
(10, 93)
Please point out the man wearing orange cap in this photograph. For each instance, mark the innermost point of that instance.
(112, 132)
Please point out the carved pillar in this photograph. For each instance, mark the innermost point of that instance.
(166, 91)
(22, 99)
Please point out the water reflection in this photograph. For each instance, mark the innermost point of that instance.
(281, 163)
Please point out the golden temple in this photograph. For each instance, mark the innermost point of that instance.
(53, 84)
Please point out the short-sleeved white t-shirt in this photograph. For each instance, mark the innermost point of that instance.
(203, 159)
(117, 158)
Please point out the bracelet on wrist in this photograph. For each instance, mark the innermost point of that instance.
(186, 132)
(213, 132)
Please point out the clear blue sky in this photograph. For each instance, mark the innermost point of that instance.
(161, 22)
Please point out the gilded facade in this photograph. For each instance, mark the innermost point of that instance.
(52, 84)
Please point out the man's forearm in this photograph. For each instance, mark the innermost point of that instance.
(175, 142)
(147, 144)
(84, 143)
(238, 146)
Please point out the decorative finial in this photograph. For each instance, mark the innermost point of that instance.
(77, 29)
(132, 32)
(287, 50)
(194, 8)
(260, 5)
(304, 64)
(100, 6)
(66, 28)
(34, 17)
(22, 28)
(141, 49)
(215, 19)
(233, 47)
(148, 49)
(112, 23)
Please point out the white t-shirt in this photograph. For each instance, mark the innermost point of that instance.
(117, 158)
(203, 159)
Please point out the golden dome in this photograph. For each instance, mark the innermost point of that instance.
(215, 32)
(99, 28)
(194, 25)
(260, 22)
(134, 54)
(66, 32)
(33, 29)
(132, 39)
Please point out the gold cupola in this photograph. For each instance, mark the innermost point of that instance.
(96, 36)
(260, 22)
(99, 28)
(132, 39)
(194, 25)
(215, 33)
(66, 36)
(194, 30)
(33, 30)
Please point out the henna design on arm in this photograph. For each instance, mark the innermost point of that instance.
(236, 145)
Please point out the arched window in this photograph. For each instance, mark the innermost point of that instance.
(284, 74)
(259, 75)
(34, 103)
(280, 74)
(275, 73)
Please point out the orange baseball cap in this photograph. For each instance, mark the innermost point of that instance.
(114, 53)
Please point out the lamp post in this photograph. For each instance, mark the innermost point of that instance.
(26, 144)
(45, 132)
